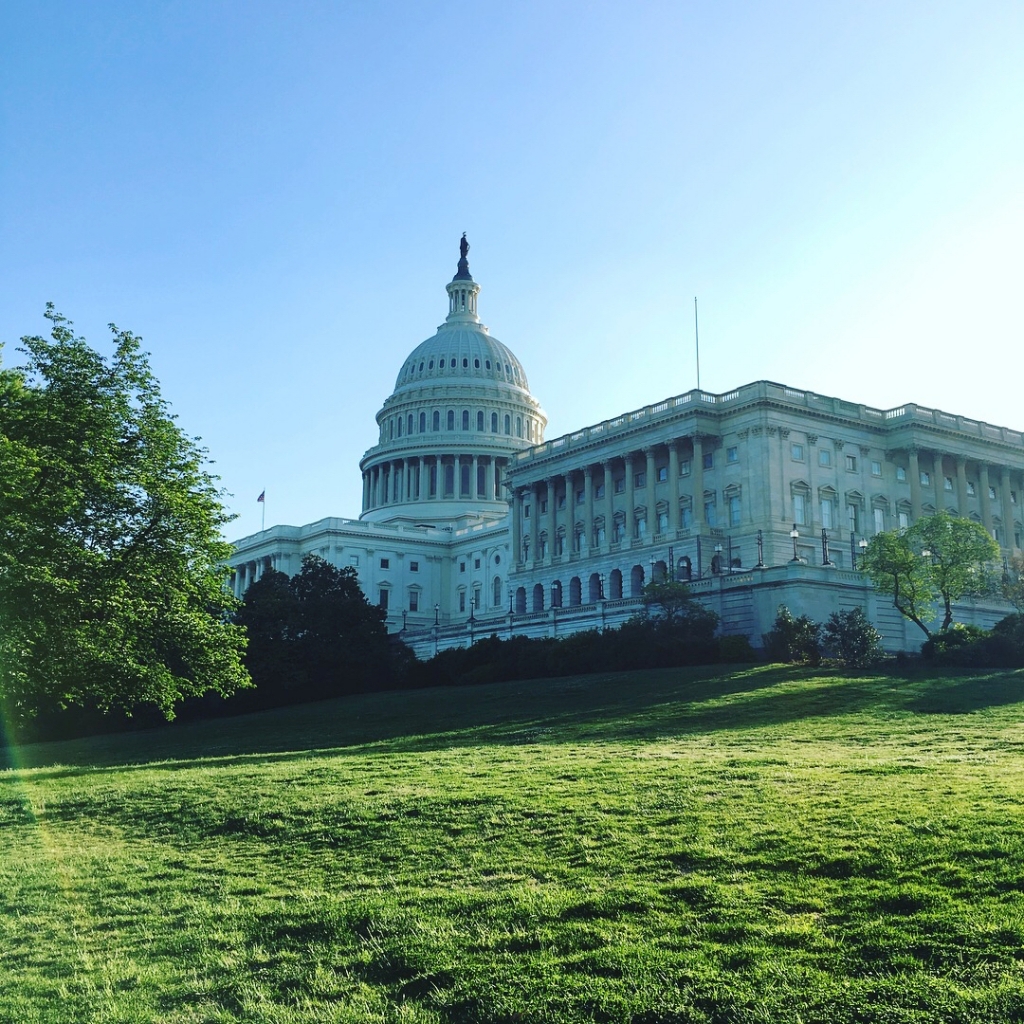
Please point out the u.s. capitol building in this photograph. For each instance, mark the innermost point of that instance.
(472, 523)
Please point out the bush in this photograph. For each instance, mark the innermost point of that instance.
(734, 649)
(954, 646)
(850, 637)
(973, 647)
(793, 639)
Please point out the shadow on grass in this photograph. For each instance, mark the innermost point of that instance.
(614, 707)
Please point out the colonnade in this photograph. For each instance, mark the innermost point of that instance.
(249, 572)
(991, 479)
(555, 501)
(433, 477)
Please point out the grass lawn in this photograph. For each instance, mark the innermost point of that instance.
(711, 845)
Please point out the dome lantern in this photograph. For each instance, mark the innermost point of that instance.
(463, 290)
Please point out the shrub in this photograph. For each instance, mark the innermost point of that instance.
(793, 638)
(850, 637)
(733, 649)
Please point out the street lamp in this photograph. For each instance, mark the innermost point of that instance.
(795, 534)
(718, 559)
(863, 545)
(760, 550)
(404, 614)
(825, 560)
(437, 610)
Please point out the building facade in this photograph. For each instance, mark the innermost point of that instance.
(472, 523)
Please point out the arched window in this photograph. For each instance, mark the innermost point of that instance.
(451, 419)
(575, 592)
(437, 420)
(684, 570)
(615, 585)
(494, 422)
(636, 581)
(479, 421)
(594, 588)
(423, 422)
(496, 591)
(391, 430)
(519, 426)
(538, 597)
(556, 594)
(660, 572)
(409, 424)
(508, 424)
(465, 363)
(521, 601)
(449, 481)
(464, 479)
(399, 426)
(465, 419)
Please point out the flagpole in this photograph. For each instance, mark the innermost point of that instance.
(696, 339)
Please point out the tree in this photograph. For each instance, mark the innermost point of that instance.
(851, 638)
(941, 558)
(112, 569)
(793, 638)
(1013, 582)
(313, 635)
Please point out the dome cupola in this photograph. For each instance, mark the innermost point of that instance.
(460, 410)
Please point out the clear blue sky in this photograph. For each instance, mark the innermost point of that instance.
(271, 194)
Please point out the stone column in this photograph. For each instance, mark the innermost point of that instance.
(961, 485)
(609, 505)
(489, 489)
(517, 525)
(421, 465)
(652, 495)
(1006, 485)
(534, 521)
(552, 515)
(630, 517)
(499, 476)
(697, 473)
(474, 490)
(986, 502)
(588, 508)
(915, 485)
(673, 486)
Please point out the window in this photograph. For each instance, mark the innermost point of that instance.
(992, 494)
(684, 467)
(970, 488)
(476, 364)
(409, 424)
(904, 520)
(620, 485)
(561, 501)
(437, 420)
(709, 511)
(732, 454)
(494, 422)
(799, 510)
(581, 496)
(599, 490)
(508, 424)
(796, 452)
(639, 479)
(414, 567)
(687, 517)
(480, 421)
(851, 463)
(382, 598)
(449, 480)
(476, 591)
(851, 518)
(462, 566)
(451, 419)
(662, 474)
(876, 468)
(496, 591)
(901, 474)
(543, 505)
(734, 511)
(519, 426)
(947, 484)
(414, 600)
(662, 522)
(385, 563)
(462, 600)
(465, 362)
(879, 520)
(826, 513)
(399, 426)
(465, 419)
(423, 422)
(526, 511)
(464, 480)
(709, 460)
(476, 563)
(1013, 501)
(641, 527)
(824, 457)
(926, 478)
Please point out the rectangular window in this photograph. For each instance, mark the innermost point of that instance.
(353, 560)
(826, 513)
(620, 485)
(526, 511)
(543, 505)
(382, 599)
(879, 520)
(992, 494)
(385, 563)
(662, 474)
(687, 517)
(904, 520)
(476, 598)
(476, 563)
(799, 510)
(684, 467)
(947, 484)
(970, 488)
(581, 496)
(734, 511)
(640, 480)
(709, 512)
(462, 566)
(824, 457)
(561, 501)
(462, 600)
(926, 480)
(732, 454)
(851, 463)
(876, 468)
(709, 460)
(662, 522)
(414, 567)
(598, 490)
(414, 600)
(796, 452)
(901, 474)
(851, 518)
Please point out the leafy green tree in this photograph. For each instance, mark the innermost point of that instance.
(851, 638)
(793, 638)
(1013, 582)
(940, 559)
(112, 568)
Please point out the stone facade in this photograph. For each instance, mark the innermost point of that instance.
(473, 524)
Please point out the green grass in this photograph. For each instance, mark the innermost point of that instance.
(749, 845)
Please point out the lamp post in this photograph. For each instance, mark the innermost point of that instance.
(862, 544)
(825, 560)
(760, 550)
(437, 611)
(717, 559)
(795, 534)
(404, 614)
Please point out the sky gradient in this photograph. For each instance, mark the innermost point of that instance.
(272, 196)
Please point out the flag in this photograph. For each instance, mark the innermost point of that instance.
(262, 496)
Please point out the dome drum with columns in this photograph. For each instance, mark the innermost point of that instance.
(460, 410)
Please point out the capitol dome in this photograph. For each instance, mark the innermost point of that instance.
(460, 411)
